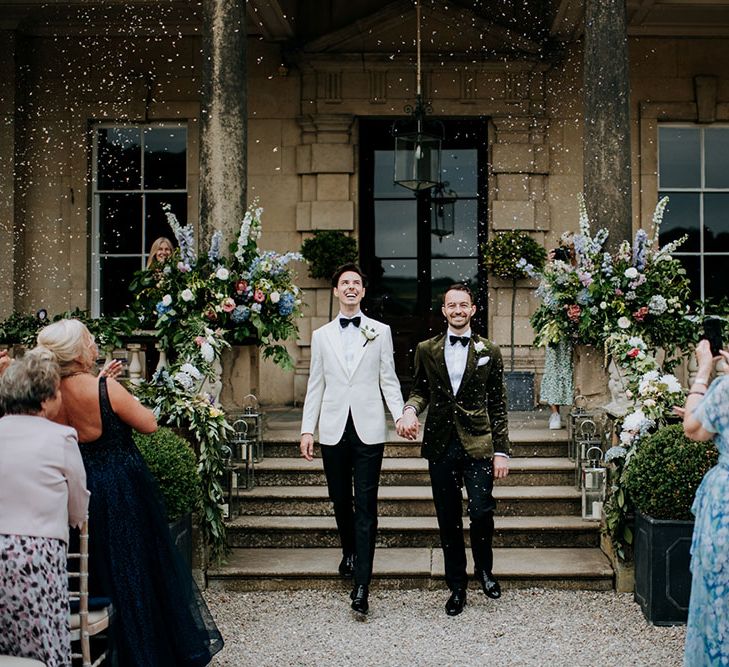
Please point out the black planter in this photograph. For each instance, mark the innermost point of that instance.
(662, 575)
(519, 390)
(181, 534)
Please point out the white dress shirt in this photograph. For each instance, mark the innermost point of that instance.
(351, 337)
(456, 357)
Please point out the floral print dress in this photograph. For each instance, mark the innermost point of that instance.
(707, 635)
(556, 386)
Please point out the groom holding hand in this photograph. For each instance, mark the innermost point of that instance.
(352, 368)
(460, 375)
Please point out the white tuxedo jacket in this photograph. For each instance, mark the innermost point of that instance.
(333, 392)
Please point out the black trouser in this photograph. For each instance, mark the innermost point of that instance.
(447, 476)
(347, 461)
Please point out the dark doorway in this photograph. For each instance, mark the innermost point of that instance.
(408, 266)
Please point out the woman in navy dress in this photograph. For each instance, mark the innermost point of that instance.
(160, 618)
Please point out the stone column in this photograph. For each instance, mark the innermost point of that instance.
(223, 141)
(7, 173)
(606, 153)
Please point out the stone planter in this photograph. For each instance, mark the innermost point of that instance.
(519, 390)
(662, 574)
(590, 376)
(240, 375)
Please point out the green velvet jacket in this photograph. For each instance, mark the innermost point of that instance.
(477, 411)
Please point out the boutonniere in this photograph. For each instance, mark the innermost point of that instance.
(369, 333)
(479, 346)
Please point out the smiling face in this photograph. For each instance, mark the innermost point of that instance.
(458, 309)
(349, 290)
(163, 252)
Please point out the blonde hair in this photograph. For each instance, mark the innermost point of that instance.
(66, 339)
(28, 382)
(155, 247)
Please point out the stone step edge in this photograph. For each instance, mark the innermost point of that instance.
(394, 562)
(407, 493)
(528, 436)
(408, 464)
(409, 523)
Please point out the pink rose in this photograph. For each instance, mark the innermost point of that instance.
(634, 353)
(259, 296)
(228, 305)
(241, 286)
(640, 314)
(573, 312)
(199, 340)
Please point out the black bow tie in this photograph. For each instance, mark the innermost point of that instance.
(344, 322)
(463, 340)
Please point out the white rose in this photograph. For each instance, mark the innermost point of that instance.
(624, 323)
(166, 300)
(631, 273)
(187, 295)
(275, 297)
(479, 346)
(207, 352)
(603, 305)
(222, 273)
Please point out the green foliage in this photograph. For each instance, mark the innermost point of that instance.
(511, 255)
(20, 329)
(172, 462)
(326, 251)
(662, 476)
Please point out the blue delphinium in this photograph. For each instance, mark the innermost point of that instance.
(214, 252)
(640, 249)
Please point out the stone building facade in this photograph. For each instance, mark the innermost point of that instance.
(310, 95)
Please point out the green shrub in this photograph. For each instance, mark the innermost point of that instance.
(327, 250)
(662, 476)
(172, 462)
(503, 251)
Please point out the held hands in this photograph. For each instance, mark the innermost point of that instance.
(501, 467)
(408, 425)
(307, 446)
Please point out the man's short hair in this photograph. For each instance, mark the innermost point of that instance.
(350, 266)
(461, 287)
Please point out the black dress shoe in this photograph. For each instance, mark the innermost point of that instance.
(491, 587)
(456, 602)
(346, 566)
(359, 599)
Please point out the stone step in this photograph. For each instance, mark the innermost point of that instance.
(407, 471)
(398, 568)
(525, 442)
(410, 531)
(407, 449)
(406, 501)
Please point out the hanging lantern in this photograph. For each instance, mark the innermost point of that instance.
(443, 211)
(417, 141)
(588, 436)
(594, 484)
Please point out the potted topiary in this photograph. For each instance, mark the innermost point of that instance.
(326, 251)
(512, 256)
(661, 479)
(172, 462)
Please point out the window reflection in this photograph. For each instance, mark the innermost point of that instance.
(716, 223)
(679, 157)
(682, 216)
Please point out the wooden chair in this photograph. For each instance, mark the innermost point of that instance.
(86, 624)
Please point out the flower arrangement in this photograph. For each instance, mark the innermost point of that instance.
(640, 290)
(200, 304)
(176, 395)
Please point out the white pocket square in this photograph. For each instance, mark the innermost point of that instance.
(483, 360)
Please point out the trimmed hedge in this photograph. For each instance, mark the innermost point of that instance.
(172, 462)
(662, 476)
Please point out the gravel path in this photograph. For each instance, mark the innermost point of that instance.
(410, 628)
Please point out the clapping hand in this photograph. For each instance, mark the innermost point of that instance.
(112, 369)
(5, 361)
